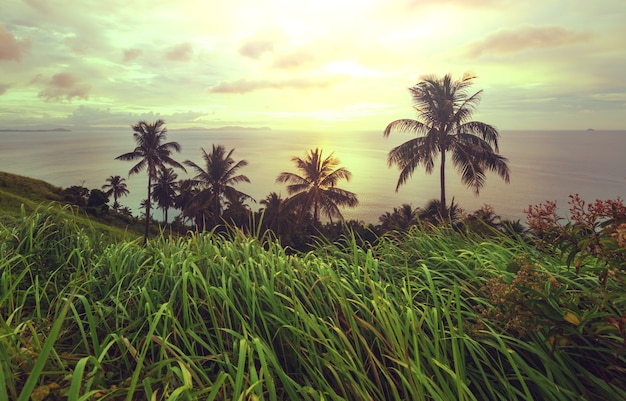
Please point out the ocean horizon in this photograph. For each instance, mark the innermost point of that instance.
(545, 165)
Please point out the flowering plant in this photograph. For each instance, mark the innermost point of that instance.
(595, 230)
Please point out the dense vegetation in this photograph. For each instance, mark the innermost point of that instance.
(420, 315)
(431, 304)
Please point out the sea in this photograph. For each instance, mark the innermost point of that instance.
(544, 165)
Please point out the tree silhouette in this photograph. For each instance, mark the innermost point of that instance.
(164, 190)
(117, 187)
(153, 153)
(402, 218)
(316, 189)
(431, 213)
(444, 109)
(216, 181)
(277, 215)
(187, 189)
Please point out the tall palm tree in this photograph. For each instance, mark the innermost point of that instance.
(153, 153)
(164, 189)
(217, 180)
(316, 189)
(117, 187)
(444, 108)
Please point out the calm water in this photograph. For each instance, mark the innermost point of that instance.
(544, 165)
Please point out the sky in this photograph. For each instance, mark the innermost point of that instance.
(326, 65)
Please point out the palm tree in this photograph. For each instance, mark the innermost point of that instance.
(317, 188)
(153, 153)
(444, 109)
(217, 181)
(431, 213)
(236, 212)
(187, 189)
(117, 187)
(401, 218)
(277, 215)
(164, 189)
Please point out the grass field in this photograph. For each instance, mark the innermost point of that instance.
(418, 316)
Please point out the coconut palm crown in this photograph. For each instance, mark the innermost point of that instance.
(444, 109)
(117, 187)
(164, 190)
(153, 153)
(316, 189)
(216, 180)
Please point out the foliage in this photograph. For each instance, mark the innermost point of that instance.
(153, 154)
(278, 216)
(76, 195)
(235, 316)
(97, 202)
(116, 187)
(400, 219)
(164, 190)
(316, 189)
(215, 183)
(444, 109)
(595, 231)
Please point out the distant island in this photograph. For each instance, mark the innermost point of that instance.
(37, 130)
(225, 128)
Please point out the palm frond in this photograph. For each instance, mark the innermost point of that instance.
(406, 125)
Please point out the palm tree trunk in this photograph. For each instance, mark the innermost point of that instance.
(442, 183)
(217, 214)
(145, 236)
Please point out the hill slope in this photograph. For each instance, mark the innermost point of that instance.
(18, 191)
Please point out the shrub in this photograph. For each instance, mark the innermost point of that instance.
(597, 231)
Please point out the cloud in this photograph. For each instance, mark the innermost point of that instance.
(62, 86)
(4, 88)
(244, 86)
(261, 43)
(131, 54)
(11, 48)
(295, 59)
(462, 3)
(512, 41)
(43, 6)
(179, 52)
(86, 116)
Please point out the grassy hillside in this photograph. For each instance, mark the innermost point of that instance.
(420, 316)
(21, 195)
(16, 190)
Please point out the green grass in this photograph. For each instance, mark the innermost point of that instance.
(217, 317)
(23, 195)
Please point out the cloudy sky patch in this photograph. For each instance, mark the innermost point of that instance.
(82, 63)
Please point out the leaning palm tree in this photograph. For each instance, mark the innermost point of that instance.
(444, 109)
(117, 187)
(216, 181)
(316, 189)
(153, 153)
(164, 189)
